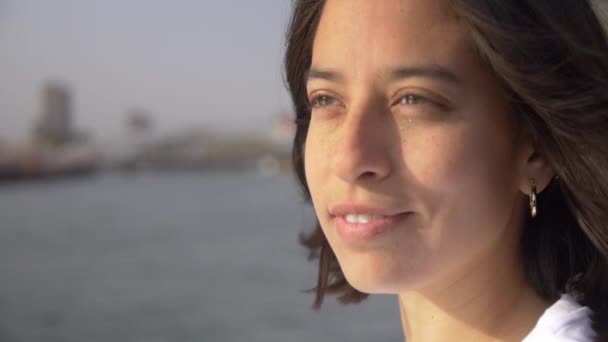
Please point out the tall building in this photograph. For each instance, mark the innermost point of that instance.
(55, 123)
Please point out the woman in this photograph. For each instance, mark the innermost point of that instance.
(456, 155)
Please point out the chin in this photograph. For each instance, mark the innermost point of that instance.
(377, 275)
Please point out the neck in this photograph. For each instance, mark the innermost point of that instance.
(490, 301)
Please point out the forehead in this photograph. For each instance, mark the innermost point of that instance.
(368, 33)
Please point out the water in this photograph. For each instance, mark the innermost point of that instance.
(167, 257)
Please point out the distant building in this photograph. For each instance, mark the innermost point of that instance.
(54, 126)
(139, 122)
(140, 128)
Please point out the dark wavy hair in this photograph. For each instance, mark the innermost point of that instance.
(551, 58)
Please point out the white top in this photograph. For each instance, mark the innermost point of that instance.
(564, 321)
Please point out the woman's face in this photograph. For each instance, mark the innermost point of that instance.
(409, 125)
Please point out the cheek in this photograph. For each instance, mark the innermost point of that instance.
(466, 186)
(439, 160)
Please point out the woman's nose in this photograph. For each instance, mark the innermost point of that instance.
(363, 151)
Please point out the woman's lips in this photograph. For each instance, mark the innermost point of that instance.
(368, 229)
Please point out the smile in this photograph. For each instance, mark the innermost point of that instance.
(362, 218)
(362, 229)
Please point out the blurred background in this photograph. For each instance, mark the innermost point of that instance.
(145, 187)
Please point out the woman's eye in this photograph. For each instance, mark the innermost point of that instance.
(411, 99)
(322, 101)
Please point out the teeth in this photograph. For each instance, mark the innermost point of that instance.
(354, 218)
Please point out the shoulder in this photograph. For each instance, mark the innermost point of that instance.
(564, 321)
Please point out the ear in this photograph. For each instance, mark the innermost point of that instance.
(535, 165)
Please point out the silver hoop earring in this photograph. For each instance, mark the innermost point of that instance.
(533, 210)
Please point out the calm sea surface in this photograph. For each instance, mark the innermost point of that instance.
(167, 257)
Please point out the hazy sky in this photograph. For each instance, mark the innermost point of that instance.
(190, 63)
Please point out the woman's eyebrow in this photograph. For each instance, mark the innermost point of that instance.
(434, 71)
(429, 71)
(323, 74)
